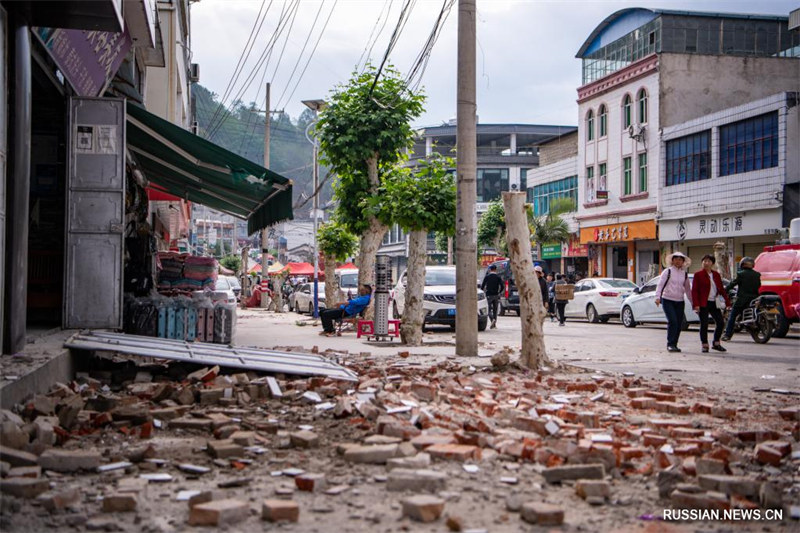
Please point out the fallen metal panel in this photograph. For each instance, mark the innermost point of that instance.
(202, 353)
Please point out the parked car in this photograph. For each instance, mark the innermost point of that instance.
(236, 287)
(509, 298)
(640, 307)
(302, 299)
(598, 299)
(348, 282)
(439, 298)
(780, 275)
(223, 285)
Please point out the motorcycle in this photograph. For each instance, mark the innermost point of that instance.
(760, 318)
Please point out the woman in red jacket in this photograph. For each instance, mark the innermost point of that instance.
(706, 287)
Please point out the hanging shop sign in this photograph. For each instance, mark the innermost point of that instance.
(765, 222)
(87, 59)
(624, 231)
(574, 248)
(551, 251)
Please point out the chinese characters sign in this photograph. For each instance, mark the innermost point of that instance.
(723, 225)
(720, 225)
(621, 232)
(88, 59)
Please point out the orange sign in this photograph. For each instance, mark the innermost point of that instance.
(622, 232)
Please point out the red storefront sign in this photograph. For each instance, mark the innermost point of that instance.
(575, 249)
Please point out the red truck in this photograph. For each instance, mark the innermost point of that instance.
(779, 266)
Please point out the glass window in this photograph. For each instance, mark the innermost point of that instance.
(491, 182)
(643, 172)
(603, 113)
(590, 184)
(618, 54)
(603, 177)
(750, 144)
(627, 176)
(523, 179)
(689, 158)
(627, 108)
(541, 195)
(642, 100)
(590, 126)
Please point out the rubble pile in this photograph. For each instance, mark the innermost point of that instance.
(473, 449)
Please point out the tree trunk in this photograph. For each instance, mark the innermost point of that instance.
(413, 313)
(368, 249)
(331, 285)
(531, 307)
(277, 292)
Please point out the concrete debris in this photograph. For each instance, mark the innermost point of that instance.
(542, 514)
(280, 511)
(423, 508)
(220, 513)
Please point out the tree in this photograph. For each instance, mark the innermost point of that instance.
(551, 227)
(531, 307)
(232, 262)
(421, 200)
(336, 244)
(492, 228)
(364, 133)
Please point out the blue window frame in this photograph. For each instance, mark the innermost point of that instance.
(541, 195)
(750, 144)
(689, 158)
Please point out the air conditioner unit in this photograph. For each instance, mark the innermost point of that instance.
(194, 73)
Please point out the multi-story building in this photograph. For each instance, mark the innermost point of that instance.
(506, 153)
(645, 71)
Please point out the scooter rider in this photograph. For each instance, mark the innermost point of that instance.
(748, 281)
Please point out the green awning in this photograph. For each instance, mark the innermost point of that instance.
(198, 170)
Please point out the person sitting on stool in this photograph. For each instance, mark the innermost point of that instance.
(344, 309)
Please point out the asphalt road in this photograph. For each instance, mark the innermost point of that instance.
(600, 347)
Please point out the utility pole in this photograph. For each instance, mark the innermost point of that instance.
(264, 244)
(466, 142)
(316, 106)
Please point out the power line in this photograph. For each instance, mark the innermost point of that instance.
(302, 50)
(398, 29)
(366, 55)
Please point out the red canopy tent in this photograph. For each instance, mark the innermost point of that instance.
(299, 269)
(347, 266)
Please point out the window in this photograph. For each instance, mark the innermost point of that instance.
(620, 53)
(541, 195)
(750, 144)
(590, 184)
(627, 109)
(603, 175)
(643, 172)
(491, 182)
(627, 176)
(642, 100)
(689, 158)
(523, 179)
(590, 126)
(603, 113)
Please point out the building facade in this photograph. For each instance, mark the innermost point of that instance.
(645, 71)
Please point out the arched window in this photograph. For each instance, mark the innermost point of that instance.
(590, 125)
(603, 114)
(627, 112)
(642, 100)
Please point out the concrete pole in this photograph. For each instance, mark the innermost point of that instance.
(316, 223)
(466, 141)
(264, 243)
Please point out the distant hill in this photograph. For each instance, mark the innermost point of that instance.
(242, 132)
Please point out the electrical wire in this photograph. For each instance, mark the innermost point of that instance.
(398, 30)
(365, 56)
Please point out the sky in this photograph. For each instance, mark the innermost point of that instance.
(526, 66)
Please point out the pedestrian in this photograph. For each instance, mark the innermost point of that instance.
(542, 285)
(707, 289)
(492, 285)
(672, 288)
(561, 302)
(346, 309)
(551, 296)
(749, 282)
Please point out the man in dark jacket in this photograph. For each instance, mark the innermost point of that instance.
(492, 285)
(748, 281)
(542, 285)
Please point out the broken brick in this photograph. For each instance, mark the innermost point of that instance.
(460, 452)
(310, 482)
(280, 511)
(218, 513)
(563, 473)
(542, 514)
(120, 503)
(423, 508)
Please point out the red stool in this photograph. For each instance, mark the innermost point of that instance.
(365, 327)
(394, 328)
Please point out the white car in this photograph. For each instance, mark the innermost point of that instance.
(640, 307)
(598, 299)
(348, 282)
(439, 298)
(302, 299)
(223, 286)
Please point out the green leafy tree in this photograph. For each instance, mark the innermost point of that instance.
(421, 200)
(492, 228)
(551, 227)
(336, 244)
(232, 262)
(363, 133)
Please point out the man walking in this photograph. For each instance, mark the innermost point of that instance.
(749, 282)
(344, 309)
(492, 285)
(561, 303)
(542, 286)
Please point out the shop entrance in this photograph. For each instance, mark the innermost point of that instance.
(619, 262)
(646, 266)
(47, 204)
